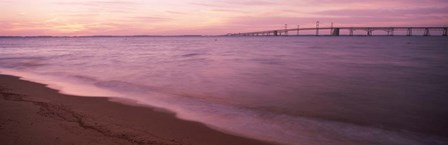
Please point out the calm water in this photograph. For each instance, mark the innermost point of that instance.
(295, 90)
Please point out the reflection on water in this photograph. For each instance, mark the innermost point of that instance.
(311, 90)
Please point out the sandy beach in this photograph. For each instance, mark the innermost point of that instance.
(32, 114)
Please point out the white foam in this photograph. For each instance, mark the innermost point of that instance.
(63, 85)
(267, 126)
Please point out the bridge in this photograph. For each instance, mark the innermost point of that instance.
(336, 31)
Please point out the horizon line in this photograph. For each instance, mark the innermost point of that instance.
(200, 35)
(75, 36)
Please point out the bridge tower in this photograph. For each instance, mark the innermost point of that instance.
(331, 28)
(317, 28)
(298, 27)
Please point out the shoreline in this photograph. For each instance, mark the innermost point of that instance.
(32, 113)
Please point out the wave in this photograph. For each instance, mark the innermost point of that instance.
(270, 126)
(191, 54)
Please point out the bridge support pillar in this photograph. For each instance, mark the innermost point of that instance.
(351, 31)
(426, 32)
(391, 32)
(298, 27)
(369, 32)
(335, 32)
(409, 32)
(445, 31)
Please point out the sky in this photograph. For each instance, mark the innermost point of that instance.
(207, 17)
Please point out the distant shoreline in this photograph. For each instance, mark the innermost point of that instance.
(102, 36)
(136, 36)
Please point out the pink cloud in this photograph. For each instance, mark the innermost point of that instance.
(121, 17)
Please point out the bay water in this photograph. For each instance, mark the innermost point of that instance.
(289, 90)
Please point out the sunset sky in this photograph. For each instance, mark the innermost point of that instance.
(169, 17)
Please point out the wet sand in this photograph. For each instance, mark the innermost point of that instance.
(32, 114)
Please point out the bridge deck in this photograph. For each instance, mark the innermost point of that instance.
(335, 31)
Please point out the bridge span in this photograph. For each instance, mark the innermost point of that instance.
(336, 31)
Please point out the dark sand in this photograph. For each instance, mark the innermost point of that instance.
(32, 114)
